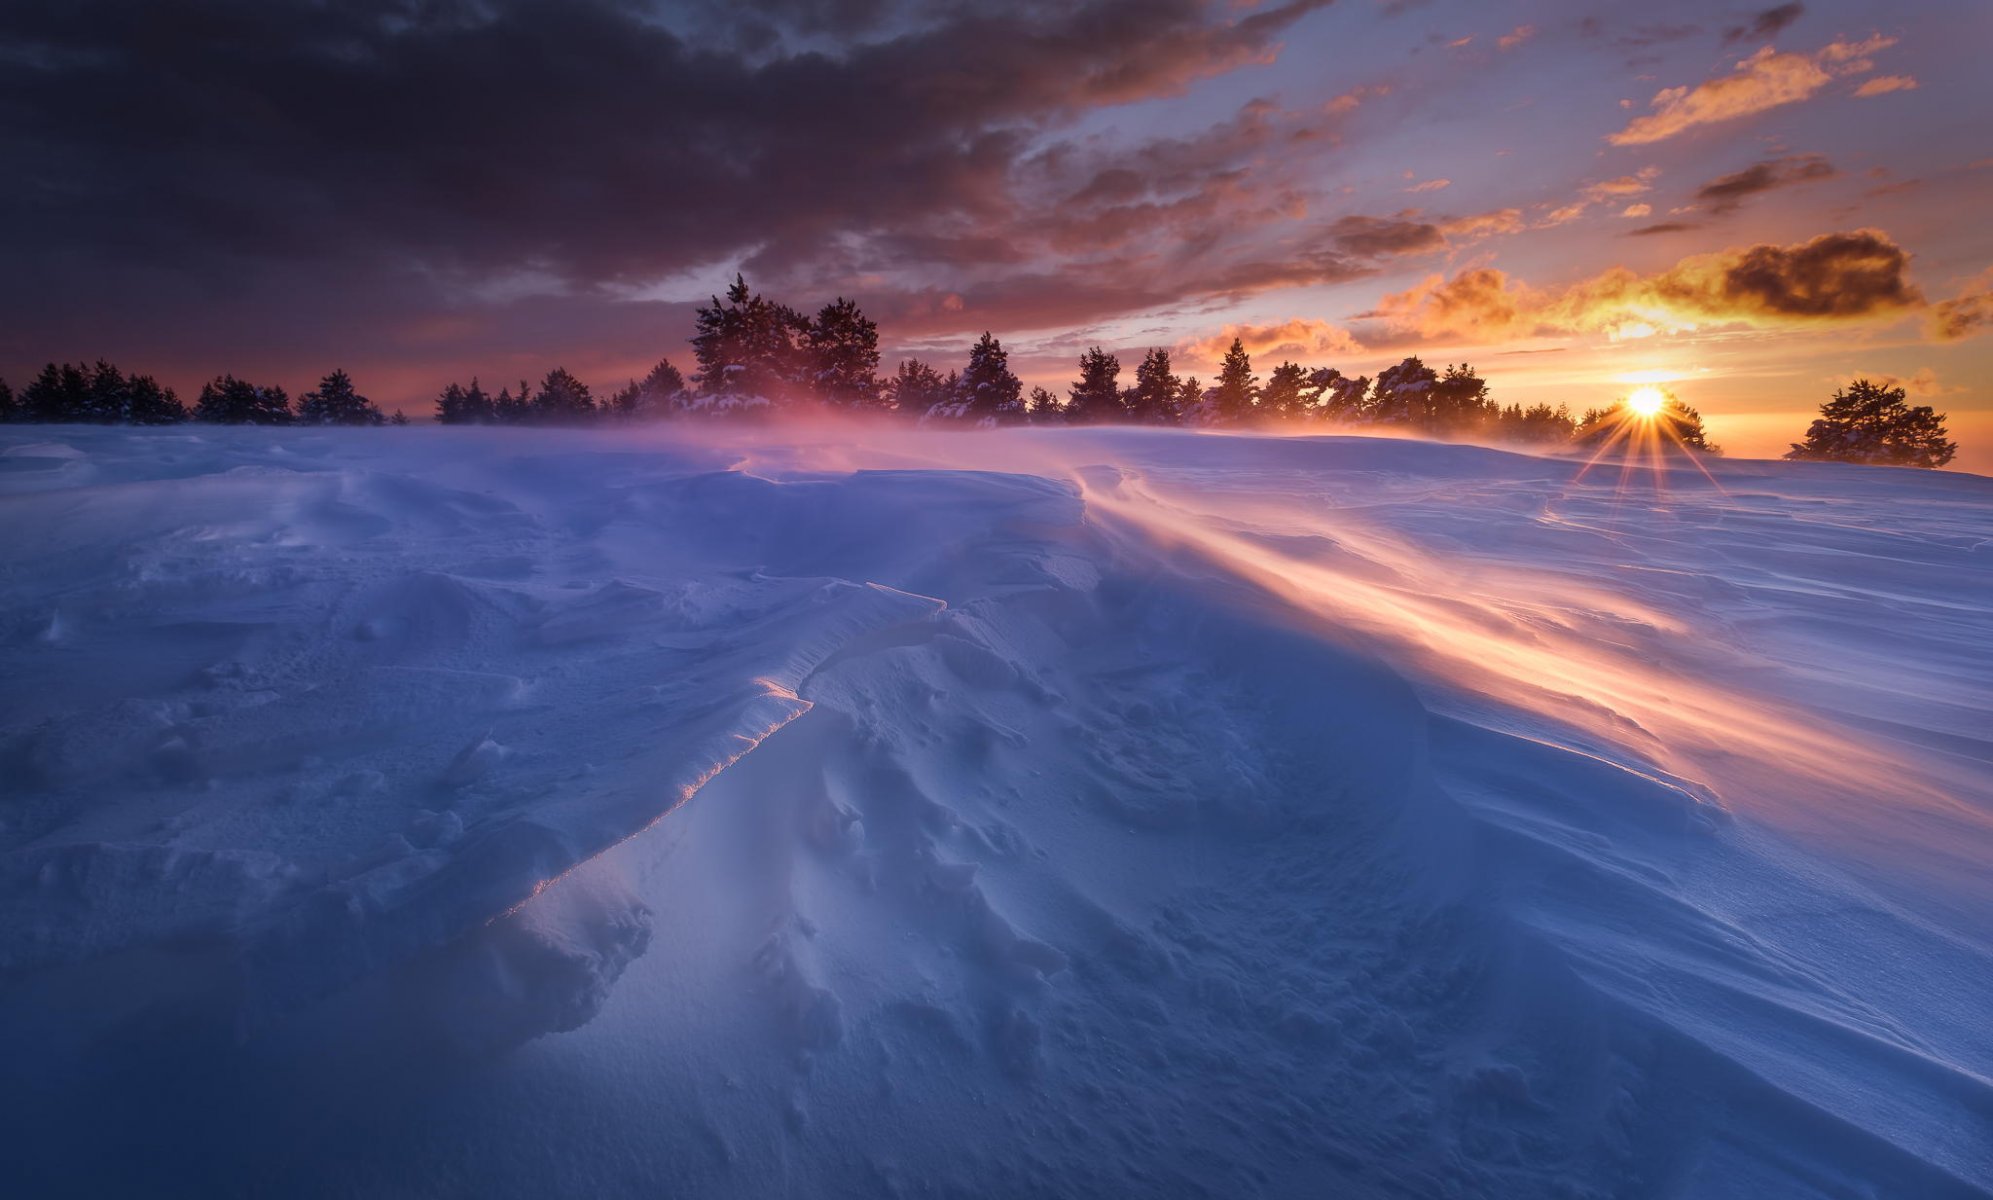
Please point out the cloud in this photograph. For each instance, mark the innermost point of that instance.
(1636, 211)
(601, 146)
(1430, 185)
(1882, 85)
(1661, 228)
(1302, 337)
(1381, 237)
(1766, 80)
(1836, 278)
(1516, 37)
(1487, 224)
(1767, 24)
(1727, 193)
(1962, 317)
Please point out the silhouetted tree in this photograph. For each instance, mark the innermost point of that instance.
(334, 402)
(1095, 397)
(1675, 425)
(478, 408)
(399, 418)
(1868, 422)
(227, 400)
(748, 345)
(1154, 399)
(512, 408)
(1403, 393)
(450, 409)
(9, 410)
(986, 393)
(562, 398)
(1537, 423)
(147, 403)
(1189, 398)
(916, 387)
(58, 395)
(1283, 396)
(1044, 408)
(658, 395)
(1232, 399)
(1338, 397)
(1458, 402)
(843, 351)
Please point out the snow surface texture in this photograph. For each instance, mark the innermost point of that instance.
(515, 813)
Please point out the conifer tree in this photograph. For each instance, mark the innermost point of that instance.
(916, 387)
(1283, 396)
(512, 408)
(1233, 398)
(227, 400)
(562, 398)
(1044, 409)
(1154, 399)
(1403, 393)
(987, 393)
(1868, 422)
(478, 408)
(450, 407)
(1458, 402)
(9, 410)
(748, 345)
(335, 402)
(147, 403)
(1095, 397)
(843, 350)
(58, 395)
(1338, 397)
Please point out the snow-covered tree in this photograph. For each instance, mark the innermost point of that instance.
(1868, 422)
(1537, 423)
(1154, 400)
(1338, 397)
(986, 393)
(843, 351)
(1403, 393)
(916, 387)
(1095, 397)
(659, 394)
(335, 402)
(748, 345)
(227, 400)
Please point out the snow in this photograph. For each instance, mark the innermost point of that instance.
(848, 810)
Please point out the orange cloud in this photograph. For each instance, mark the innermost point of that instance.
(1962, 317)
(1882, 85)
(1487, 224)
(1516, 37)
(1834, 278)
(1766, 80)
(1300, 337)
(1430, 185)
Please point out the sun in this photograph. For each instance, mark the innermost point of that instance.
(1646, 402)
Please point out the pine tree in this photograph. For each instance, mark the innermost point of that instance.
(1095, 397)
(1403, 393)
(399, 418)
(147, 403)
(1868, 422)
(9, 410)
(512, 408)
(843, 349)
(748, 346)
(986, 393)
(59, 395)
(1189, 399)
(915, 388)
(450, 407)
(1232, 400)
(562, 398)
(106, 397)
(227, 400)
(1338, 397)
(1284, 396)
(335, 402)
(1154, 398)
(1044, 409)
(1458, 402)
(478, 408)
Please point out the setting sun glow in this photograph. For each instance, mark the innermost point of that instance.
(1645, 402)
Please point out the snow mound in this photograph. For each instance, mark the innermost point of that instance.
(1083, 812)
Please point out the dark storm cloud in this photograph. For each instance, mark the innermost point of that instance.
(592, 141)
(1661, 228)
(1766, 24)
(1729, 192)
(1379, 237)
(1833, 276)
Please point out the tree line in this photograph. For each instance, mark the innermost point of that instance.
(755, 356)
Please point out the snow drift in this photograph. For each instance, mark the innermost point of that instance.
(1088, 812)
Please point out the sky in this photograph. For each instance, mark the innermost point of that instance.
(1748, 204)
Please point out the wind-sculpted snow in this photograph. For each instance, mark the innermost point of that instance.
(858, 812)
